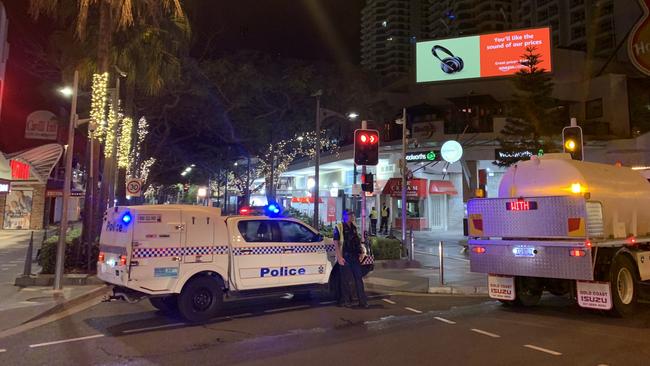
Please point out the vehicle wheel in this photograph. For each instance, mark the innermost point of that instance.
(201, 299)
(166, 304)
(622, 274)
(528, 291)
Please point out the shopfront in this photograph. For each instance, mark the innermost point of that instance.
(416, 202)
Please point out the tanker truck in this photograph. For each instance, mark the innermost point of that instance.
(566, 227)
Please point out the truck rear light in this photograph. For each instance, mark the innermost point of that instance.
(588, 243)
(101, 257)
(478, 224)
(577, 253)
(479, 250)
(631, 240)
(122, 260)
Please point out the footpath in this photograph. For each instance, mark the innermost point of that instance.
(423, 275)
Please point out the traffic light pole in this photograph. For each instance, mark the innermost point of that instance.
(404, 171)
(316, 194)
(364, 125)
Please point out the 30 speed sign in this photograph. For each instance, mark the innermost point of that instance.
(134, 187)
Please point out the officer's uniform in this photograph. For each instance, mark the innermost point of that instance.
(351, 249)
(373, 222)
(385, 213)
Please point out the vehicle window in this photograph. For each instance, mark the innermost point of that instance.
(296, 233)
(258, 231)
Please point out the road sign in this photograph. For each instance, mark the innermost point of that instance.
(134, 187)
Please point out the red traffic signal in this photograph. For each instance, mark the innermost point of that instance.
(366, 147)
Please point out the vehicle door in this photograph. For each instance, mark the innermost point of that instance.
(256, 253)
(156, 249)
(304, 255)
(198, 246)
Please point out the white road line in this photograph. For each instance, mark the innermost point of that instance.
(550, 352)
(326, 302)
(389, 301)
(152, 328)
(413, 310)
(444, 320)
(3, 350)
(286, 309)
(65, 341)
(485, 333)
(376, 296)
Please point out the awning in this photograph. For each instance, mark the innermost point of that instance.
(442, 187)
(41, 160)
(305, 199)
(414, 187)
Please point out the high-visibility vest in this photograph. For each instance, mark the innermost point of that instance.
(373, 214)
(339, 226)
(384, 212)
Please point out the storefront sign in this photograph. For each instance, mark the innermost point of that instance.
(414, 157)
(331, 209)
(41, 125)
(19, 170)
(18, 209)
(423, 130)
(638, 46)
(59, 193)
(414, 187)
(451, 151)
(501, 154)
(481, 56)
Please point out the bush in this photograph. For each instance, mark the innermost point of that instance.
(385, 248)
(74, 244)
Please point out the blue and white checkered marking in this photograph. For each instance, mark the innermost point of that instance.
(297, 249)
(177, 251)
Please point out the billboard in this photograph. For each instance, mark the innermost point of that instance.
(481, 56)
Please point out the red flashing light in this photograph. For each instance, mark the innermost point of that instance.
(588, 243)
(631, 240)
(101, 257)
(244, 210)
(577, 253)
(479, 250)
(122, 260)
(363, 138)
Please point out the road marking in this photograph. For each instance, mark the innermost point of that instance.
(286, 309)
(326, 302)
(389, 301)
(550, 352)
(380, 295)
(413, 310)
(152, 328)
(3, 350)
(241, 315)
(65, 341)
(485, 333)
(444, 320)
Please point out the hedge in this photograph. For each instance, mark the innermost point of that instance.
(385, 248)
(47, 253)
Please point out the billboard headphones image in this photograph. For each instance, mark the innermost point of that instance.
(480, 56)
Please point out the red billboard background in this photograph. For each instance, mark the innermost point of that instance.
(501, 52)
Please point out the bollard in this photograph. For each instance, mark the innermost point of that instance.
(412, 250)
(441, 269)
(27, 271)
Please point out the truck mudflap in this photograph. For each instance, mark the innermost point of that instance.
(568, 260)
(594, 295)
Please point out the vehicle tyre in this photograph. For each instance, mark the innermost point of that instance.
(166, 304)
(528, 291)
(624, 287)
(201, 299)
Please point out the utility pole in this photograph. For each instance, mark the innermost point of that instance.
(67, 181)
(404, 171)
(364, 125)
(317, 162)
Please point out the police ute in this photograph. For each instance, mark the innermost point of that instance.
(566, 227)
(187, 258)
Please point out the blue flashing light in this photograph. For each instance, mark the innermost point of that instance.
(273, 209)
(126, 218)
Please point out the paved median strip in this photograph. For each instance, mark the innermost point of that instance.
(153, 328)
(540, 349)
(65, 341)
(485, 333)
(444, 320)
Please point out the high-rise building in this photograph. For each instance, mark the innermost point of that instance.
(388, 30)
(452, 18)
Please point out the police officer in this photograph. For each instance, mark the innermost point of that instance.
(349, 254)
(373, 221)
(385, 215)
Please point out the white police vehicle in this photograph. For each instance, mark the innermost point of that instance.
(187, 258)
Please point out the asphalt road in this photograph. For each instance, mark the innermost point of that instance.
(396, 330)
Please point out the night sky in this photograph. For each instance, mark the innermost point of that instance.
(310, 29)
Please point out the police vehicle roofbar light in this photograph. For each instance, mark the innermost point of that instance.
(126, 218)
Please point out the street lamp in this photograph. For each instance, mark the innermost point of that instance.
(66, 91)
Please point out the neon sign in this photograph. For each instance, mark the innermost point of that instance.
(521, 205)
(19, 170)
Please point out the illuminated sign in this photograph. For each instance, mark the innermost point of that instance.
(19, 170)
(451, 151)
(4, 186)
(638, 45)
(415, 157)
(481, 56)
(521, 205)
(501, 154)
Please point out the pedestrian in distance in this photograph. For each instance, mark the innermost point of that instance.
(349, 255)
(385, 216)
(373, 221)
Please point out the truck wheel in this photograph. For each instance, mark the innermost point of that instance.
(201, 299)
(528, 291)
(166, 304)
(622, 274)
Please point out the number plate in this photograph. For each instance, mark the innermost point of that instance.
(528, 252)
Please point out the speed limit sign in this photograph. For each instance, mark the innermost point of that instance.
(134, 187)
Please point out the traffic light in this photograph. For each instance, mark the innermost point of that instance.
(367, 182)
(572, 142)
(366, 147)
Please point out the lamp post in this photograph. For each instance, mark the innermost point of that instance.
(67, 181)
(402, 121)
